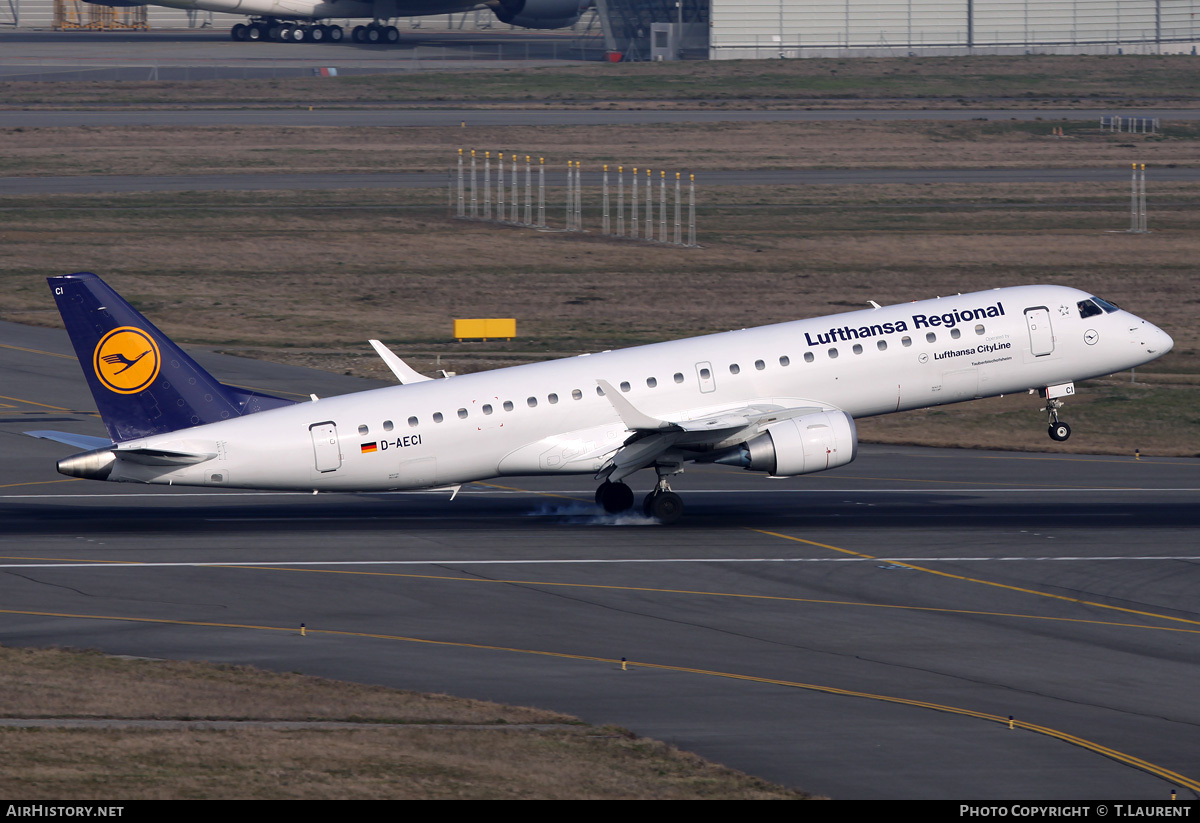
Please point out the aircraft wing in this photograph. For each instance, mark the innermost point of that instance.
(653, 437)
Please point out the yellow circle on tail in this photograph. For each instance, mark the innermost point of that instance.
(126, 360)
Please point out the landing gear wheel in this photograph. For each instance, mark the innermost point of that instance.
(391, 34)
(614, 498)
(373, 34)
(1059, 431)
(255, 32)
(356, 34)
(238, 32)
(665, 507)
(336, 34)
(315, 34)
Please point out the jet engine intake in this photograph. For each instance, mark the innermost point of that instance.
(801, 445)
(538, 14)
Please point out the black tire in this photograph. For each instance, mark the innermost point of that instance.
(372, 34)
(666, 507)
(336, 34)
(238, 32)
(391, 34)
(1059, 431)
(614, 498)
(255, 33)
(357, 34)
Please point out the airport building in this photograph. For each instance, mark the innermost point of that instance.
(770, 29)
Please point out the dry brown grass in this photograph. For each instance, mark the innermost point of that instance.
(478, 755)
(684, 147)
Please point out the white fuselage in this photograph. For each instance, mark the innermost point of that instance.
(549, 417)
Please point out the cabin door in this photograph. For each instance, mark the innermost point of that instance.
(326, 451)
(1041, 336)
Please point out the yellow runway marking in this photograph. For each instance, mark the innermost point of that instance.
(646, 589)
(1021, 589)
(40, 482)
(38, 351)
(1106, 751)
(529, 491)
(34, 403)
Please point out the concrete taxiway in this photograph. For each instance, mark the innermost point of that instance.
(863, 633)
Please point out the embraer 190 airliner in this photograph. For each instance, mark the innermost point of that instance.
(779, 399)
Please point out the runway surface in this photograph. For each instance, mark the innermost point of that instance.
(863, 633)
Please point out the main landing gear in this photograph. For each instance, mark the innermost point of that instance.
(283, 32)
(375, 33)
(662, 504)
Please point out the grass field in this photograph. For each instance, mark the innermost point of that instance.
(271, 744)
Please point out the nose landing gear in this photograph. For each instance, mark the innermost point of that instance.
(1059, 431)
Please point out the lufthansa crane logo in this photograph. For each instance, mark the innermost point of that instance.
(126, 360)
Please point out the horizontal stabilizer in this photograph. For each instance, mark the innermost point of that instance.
(79, 441)
(404, 373)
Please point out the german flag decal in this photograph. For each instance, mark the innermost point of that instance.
(368, 448)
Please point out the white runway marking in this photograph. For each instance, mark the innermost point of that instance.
(572, 561)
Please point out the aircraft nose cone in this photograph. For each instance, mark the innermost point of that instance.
(1158, 342)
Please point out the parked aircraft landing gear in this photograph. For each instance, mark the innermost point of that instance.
(375, 33)
(281, 32)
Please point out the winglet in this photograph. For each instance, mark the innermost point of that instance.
(633, 419)
(404, 373)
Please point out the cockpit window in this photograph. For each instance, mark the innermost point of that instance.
(1093, 306)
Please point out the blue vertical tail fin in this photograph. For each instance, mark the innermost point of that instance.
(142, 382)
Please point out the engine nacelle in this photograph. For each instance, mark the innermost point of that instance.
(539, 14)
(802, 445)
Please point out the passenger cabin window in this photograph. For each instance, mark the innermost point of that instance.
(705, 374)
(734, 368)
(930, 337)
(387, 425)
(576, 394)
(906, 341)
(487, 408)
(625, 385)
(833, 353)
(857, 348)
(412, 422)
(979, 329)
(955, 333)
(760, 365)
(785, 361)
(553, 398)
(651, 382)
(437, 417)
(881, 345)
(363, 430)
(462, 414)
(678, 377)
(599, 392)
(508, 405)
(531, 402)
(808, 357)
